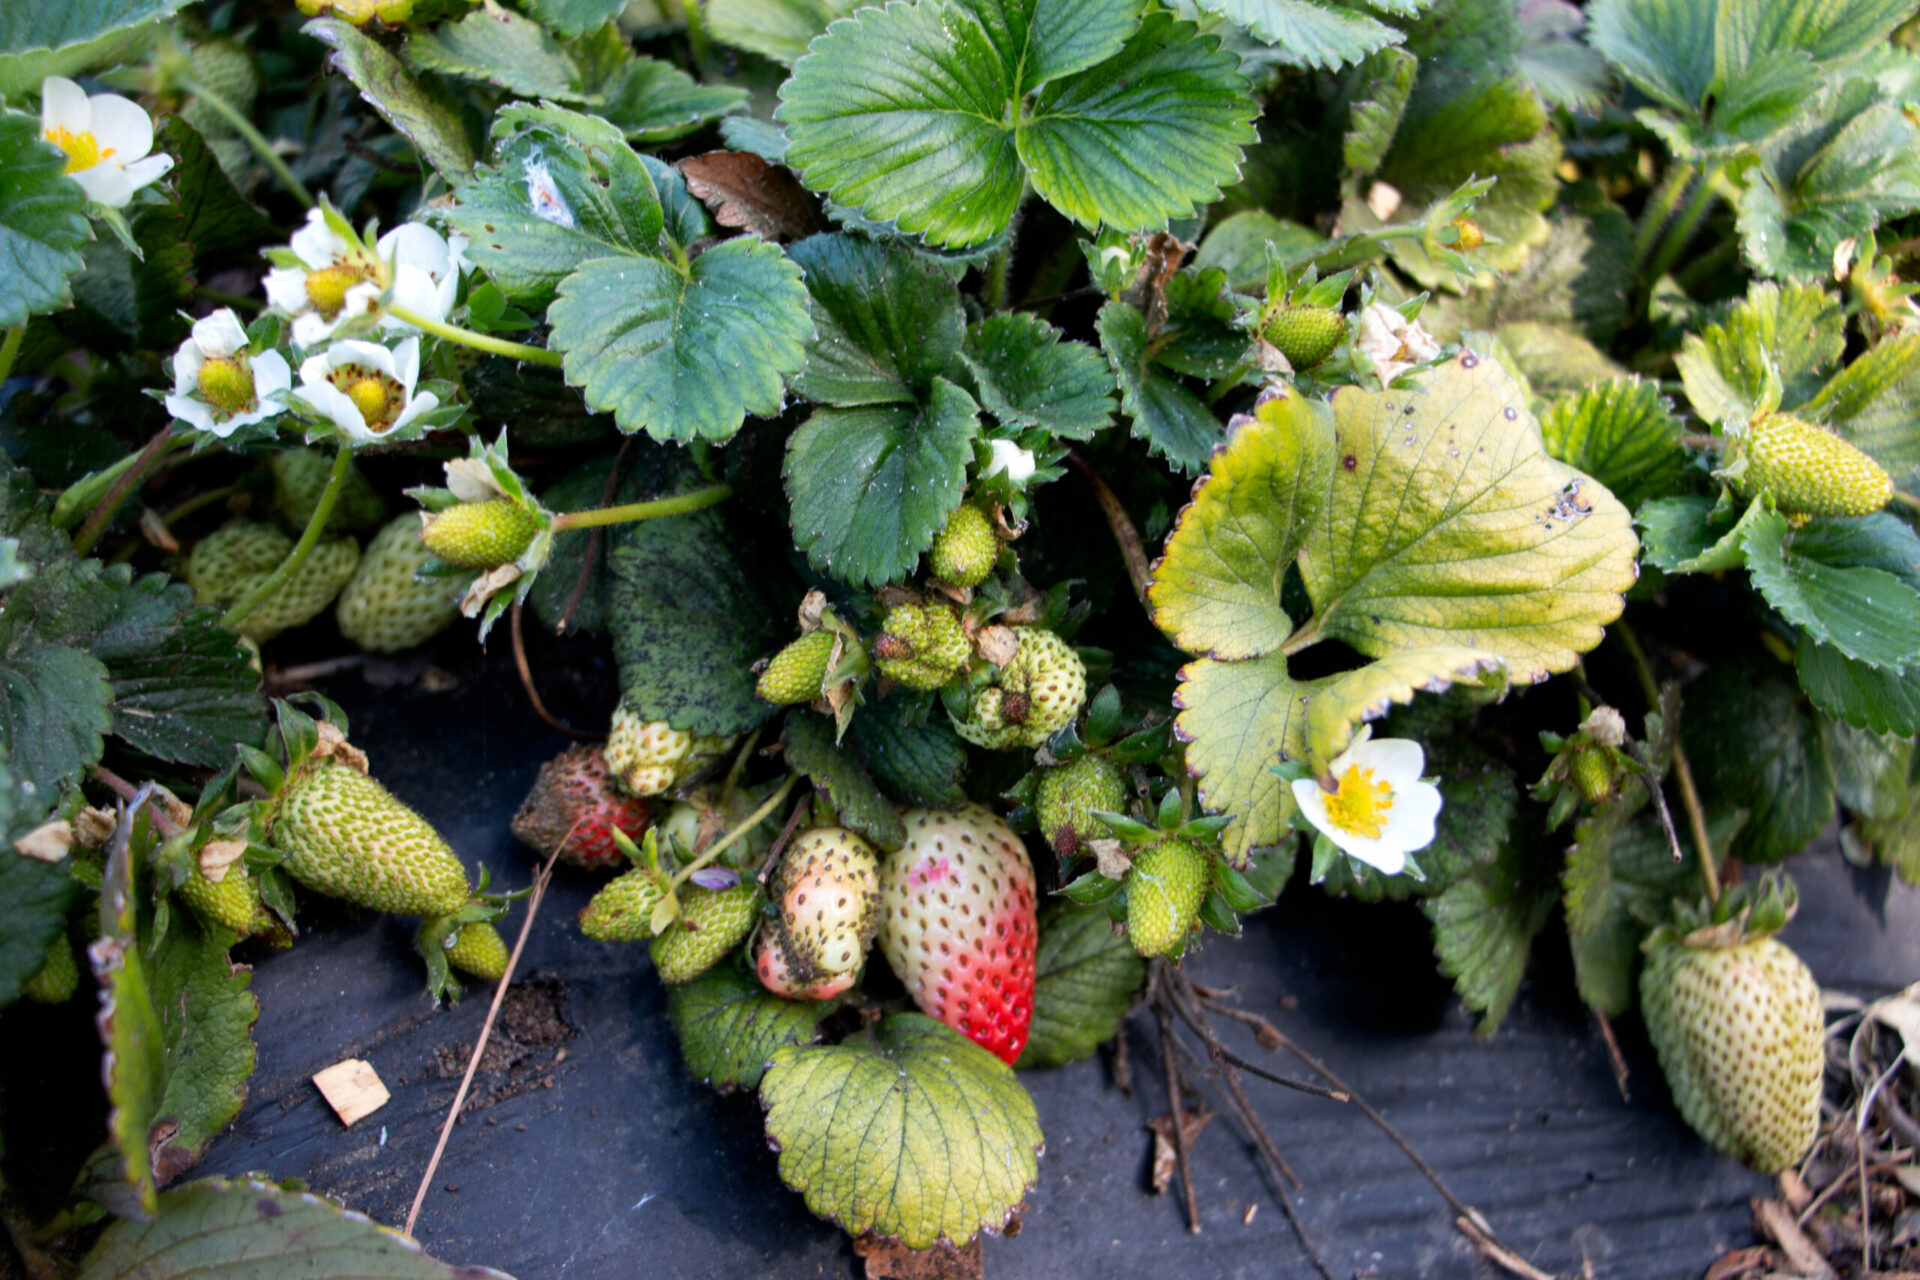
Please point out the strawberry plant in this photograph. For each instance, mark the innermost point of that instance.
(1051, 477)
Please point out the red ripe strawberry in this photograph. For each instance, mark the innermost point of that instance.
(957, 924)
(576, 786)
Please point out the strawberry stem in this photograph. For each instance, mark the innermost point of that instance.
(478, 341)
(309, 538)
(679, 504)
(9, 348)
(237, 120)
(752, 820)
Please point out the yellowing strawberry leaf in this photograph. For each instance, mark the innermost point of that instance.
(1170, 419)
(1483, 927)
(1238, 720)
(1798, 329)
(1217, 588)
(499, 48)
(1754, 745)
(886, 321)
(40, 40)
(43, 221)
(427, 119)
(34, 896)
(1315, 33)
(1485, 542)
(862, 809)
(1866, 613)
(214, 1225)
(1031, 376)
(871, 487)
(1622, 433)
(683, 351)
(1084, 980)
(729, 1026)
(1344, 702)
(911, 1131)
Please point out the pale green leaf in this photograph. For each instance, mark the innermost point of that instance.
(1562, 67)
(776, 29)
(43, 222)
(570, 18)
(886, 321)
(1622, 433)
(1865, 613)
(206, 1018)
(1238, 720)
(1170, 419)
(1792, 224)
(1031, 376)
(1309, 33)
(871, 487)
(1555, 359)
(1449, 524)
(729, 1025)
(683, 354)
(39, 40)
(1084, 980)
(1238, 246)
(1875, 403)
(1346, 701)
(1217, 588)
(1870, 770)
(429, 121)
(214, 1227)
(1483, 927)
(1620, 880)
(499, 48)
(1374, 114)
(1798, 329)
(910, 1131)
(1754, 745)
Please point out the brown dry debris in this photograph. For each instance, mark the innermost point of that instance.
(890, 1260)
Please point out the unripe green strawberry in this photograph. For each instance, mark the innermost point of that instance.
(233, 900)
(1592, 772)
(479, 949)
(58, 978)
(623, 909)
(712, 923)
(300, 476)
(1068, 796)
(1034, 696)
(963, 552)
(1738, 1030)
(828, 890)
(346, 836)
(387, 607)
(231, 561)
(1810, 470)
(1165, 886)
(649, 757)
(796, 672)
(481, 535)
(921, 645)
(1305, 335)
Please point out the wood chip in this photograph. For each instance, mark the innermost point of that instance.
(352, 1088)
(1774, 1220)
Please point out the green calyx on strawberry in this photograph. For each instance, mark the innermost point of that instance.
(230, 562)
(575, 807)
(964, 551)
(1035, 695)
(958, 924)
(1591, 765)
(711, 924)
(1165, 887)
(1067, 796)
(387, 605)
(922, 646)
(649, 757)
(1736, 1019)
(465, 940)
(300, 476)
(58, 976)
(1808, 469)
(827, 888)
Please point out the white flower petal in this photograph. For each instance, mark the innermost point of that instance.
(414, 244)
(370, 356)
(104, 184)
(316, 244)
(311, 329)
(220, 333)
(63, 105)
(1407, 823)
(415, 290)
(1394, 761)
(1411, 823)
(271, 377)
(1011, 458)
(196, 414)
(333, 402)
(361, 300)
(145, 172)
(287, 289)
(457, 253)
(416, 405)
(187, 362)
(123, 130)
(403, 364)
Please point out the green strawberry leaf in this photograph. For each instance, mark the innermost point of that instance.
(53, 712)
(910, 1131)
(1315, 33)
(683, 351)
(1379, 100)
(1562, 68)
(43, 221)
(1870, 770)
(131, 1032)
(886, 321)
(1754, 745)
(1869, 172)
(655, 101)
(1865, 613)
(122, 301)
(1483, 927)
(40, 40)
(1238, 719)
(775, 29)
(1620, 881)
(1796, 329)
(1576, 278)
(1344, 702)
(1894, 842)
(1875, 403)
(1495, 545)
(201, 1229)
(1217, 588)
(428, 119)
(862, 808)
(917, 763)
(184, 689)
(570, 18)
(206, 1018)
(1031, 376)
(1682, 535)
(34, 897)
(222, 225)
(1170, 419)
(1622, 433)
(499, 48)
(729, 1025)
(1083, 983)
(871, 487)
(1864, 696)
(689, 618)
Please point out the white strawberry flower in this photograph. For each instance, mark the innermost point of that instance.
(366, 390)
(1005, 455)
(338, 279)
(1379, 809)
(1394, 343)
(106, 138)
(220, 386)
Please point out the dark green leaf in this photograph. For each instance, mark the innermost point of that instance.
(570, 18)
(221, 224)
(860, 805)
(1030, 376)
(1622, 433)
(53, 712)
(1863, 696)
(1791, 225)
(43, 220)
(729, 1025)
(1378, 102)
(655, 101)
(206, 1018)
(1313, 33)
(871, 487)
(1169, 418)
(34, 896)
(1084, 980)
(1621, 879)
(1563, 69)
(183, 687)
(1755, 746)
(886, 321)
(1483, 927)
(1868, 614)
(919, 764)
(1870, 770)
(428, 120)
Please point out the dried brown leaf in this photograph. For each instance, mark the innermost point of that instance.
(891, 1260)
(744, 191)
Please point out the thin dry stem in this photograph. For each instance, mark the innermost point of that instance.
(1178, 1130)
(526, 678)
(1133, 552)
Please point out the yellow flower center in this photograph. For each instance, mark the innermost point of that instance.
(83, 149)
(1359, 805)
(327, 287)
(227, 385)
(369, 396)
